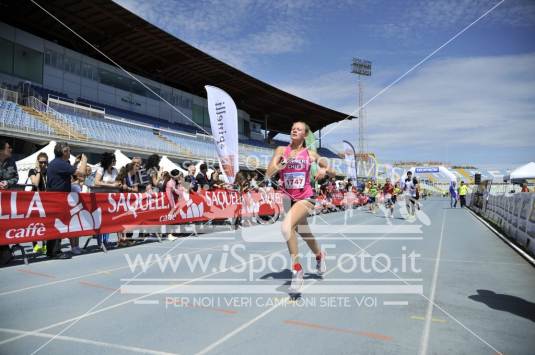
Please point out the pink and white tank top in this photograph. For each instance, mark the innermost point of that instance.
(295, 176)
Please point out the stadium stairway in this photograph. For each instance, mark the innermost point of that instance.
(431, 178)
(61, 128)
(182, 150)
(463, 172)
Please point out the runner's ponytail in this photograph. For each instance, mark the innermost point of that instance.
(310, 139)
(310, 144)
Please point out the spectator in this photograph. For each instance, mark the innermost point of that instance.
(127, 178)
(59, 175)
(241, 184)
(37, 177)
(190, 178)
(8, 169)
(78, 182)
(215, 173)
(106, 176)
(106, 180)
(141, 180)
(202, 177)
(524, 187)
(173, 186)
(141, 177)
(254, 181)
(215, 180)
(154, 172)
(78, 185)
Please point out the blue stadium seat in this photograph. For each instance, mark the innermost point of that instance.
(14, 117)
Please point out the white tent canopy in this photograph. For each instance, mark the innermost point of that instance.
(526, 171)
(24, 165)
(167, 165)
(121, 159)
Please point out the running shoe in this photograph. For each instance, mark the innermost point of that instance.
(321, 266)
(297, 278)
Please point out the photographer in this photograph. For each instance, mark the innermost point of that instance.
(37, 177)
(59, 178)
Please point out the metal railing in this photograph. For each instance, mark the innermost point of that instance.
(8, 95)
(59, 119)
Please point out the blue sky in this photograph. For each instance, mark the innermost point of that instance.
(472, 102)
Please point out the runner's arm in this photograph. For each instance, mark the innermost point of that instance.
(275, 165)
(323, 164)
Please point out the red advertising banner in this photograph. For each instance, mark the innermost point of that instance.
(34, 216)
(337, 198)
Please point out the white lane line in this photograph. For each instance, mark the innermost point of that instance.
(249, 323)
(147, 302)
(5, 293)
(371, 238)
(395, 303)
(443, 260)
(266, 312)
(424, 342)
(87, 341)
(96, 305)
(88, 314)
(186, 279)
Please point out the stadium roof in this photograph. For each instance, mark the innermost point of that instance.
(144, 49)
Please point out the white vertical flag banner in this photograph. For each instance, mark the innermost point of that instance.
(349, 155)
(224, 122)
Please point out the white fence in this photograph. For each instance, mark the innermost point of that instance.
(513, 213)
(8, 95)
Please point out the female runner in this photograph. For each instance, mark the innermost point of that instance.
(295, 164)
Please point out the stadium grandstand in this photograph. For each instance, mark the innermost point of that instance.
(56, 87)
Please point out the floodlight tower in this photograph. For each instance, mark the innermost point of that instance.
(361, 67)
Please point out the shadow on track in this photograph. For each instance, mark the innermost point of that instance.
(502, 302)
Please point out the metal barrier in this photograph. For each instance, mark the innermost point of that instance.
(8, 95)
(513, 213)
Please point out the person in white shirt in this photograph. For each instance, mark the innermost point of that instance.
(105, 179)
(410, 188)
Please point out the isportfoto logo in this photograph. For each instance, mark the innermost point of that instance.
(233, 270)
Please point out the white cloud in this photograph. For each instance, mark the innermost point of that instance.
(238, 32)
(418, 18)
(486, 102)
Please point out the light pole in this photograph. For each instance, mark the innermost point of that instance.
(361, 67)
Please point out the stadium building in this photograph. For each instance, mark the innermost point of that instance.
(59, 83)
